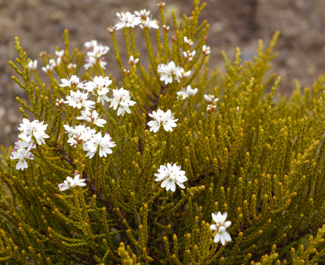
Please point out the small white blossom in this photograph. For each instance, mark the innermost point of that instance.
(72, 66)
(211, 108)
(171, 175)
(55, 63)
(97, 142)
(220, 226)
(79, 134)
(59, 102)
(143, 14)
(121, 100)
(170, 72)
(133, 61)
(127, 20)
(91, 117)
(91, 44)
(149, 23)
(98, 51)
(59, 53)
(186, 92)
(95, 54)
(206, 50)
(99, 87)
(34, 128)
(21, 154)
(189, 55)
(79, 100)
(188, 42)
(73, 82)
(72, 182)
(162, 118)
(210, 98)
(48, 68)
(32, 65)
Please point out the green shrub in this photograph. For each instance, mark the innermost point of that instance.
(257, 156)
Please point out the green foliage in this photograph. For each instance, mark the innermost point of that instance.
(255, 155)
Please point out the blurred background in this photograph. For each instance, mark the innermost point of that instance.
(40, 25)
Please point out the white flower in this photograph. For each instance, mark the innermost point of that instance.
(73, 82)
(59, 53)
(104, 144)
(143, 14)
(79, 100)
(164, 118)
(171, 175)
(34, 128)
(21, 154)
(133, 61)
(188, 42)
(55, 63)
(96, 52)
(48, 68)
(189, 55)
(210, 98)
(121, 100)
(99, 87)
(149, 23)
(220, 226)
(72, 182)
(91, 44)
(92, 117)
(72, 66)
(169, 72)
(127, 20)
(206, 50)
(32, 65)
(79, 134)
(186, 92)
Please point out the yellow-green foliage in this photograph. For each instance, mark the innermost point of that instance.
(256, 155)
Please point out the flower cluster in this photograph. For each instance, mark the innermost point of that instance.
(139, 18)
(53, 63)
(95, 54)
(171, 175)
(170, 72)
(30, 132)
(99, 87)
(121, 101)
(220, 226)
(162, 118)
(187, 92)
(72, 182)
(210, 98)
(91, 140)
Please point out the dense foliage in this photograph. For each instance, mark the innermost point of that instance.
(236, 146)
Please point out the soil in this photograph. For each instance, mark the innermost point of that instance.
(40, 25)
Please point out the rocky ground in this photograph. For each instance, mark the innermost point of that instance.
(40, 25)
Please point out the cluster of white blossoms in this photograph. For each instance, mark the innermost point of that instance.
(210, 98)
(162, 118)
(95, 54)
(170, 72)
(30, 131)
(171, 175)
(188, 54)
(187, 92)
(91, 140)
(72, 182)
(53, 63)
(99, 87)
(140, 18)
(220, 226)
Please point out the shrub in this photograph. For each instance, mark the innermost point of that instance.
(196, 167)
